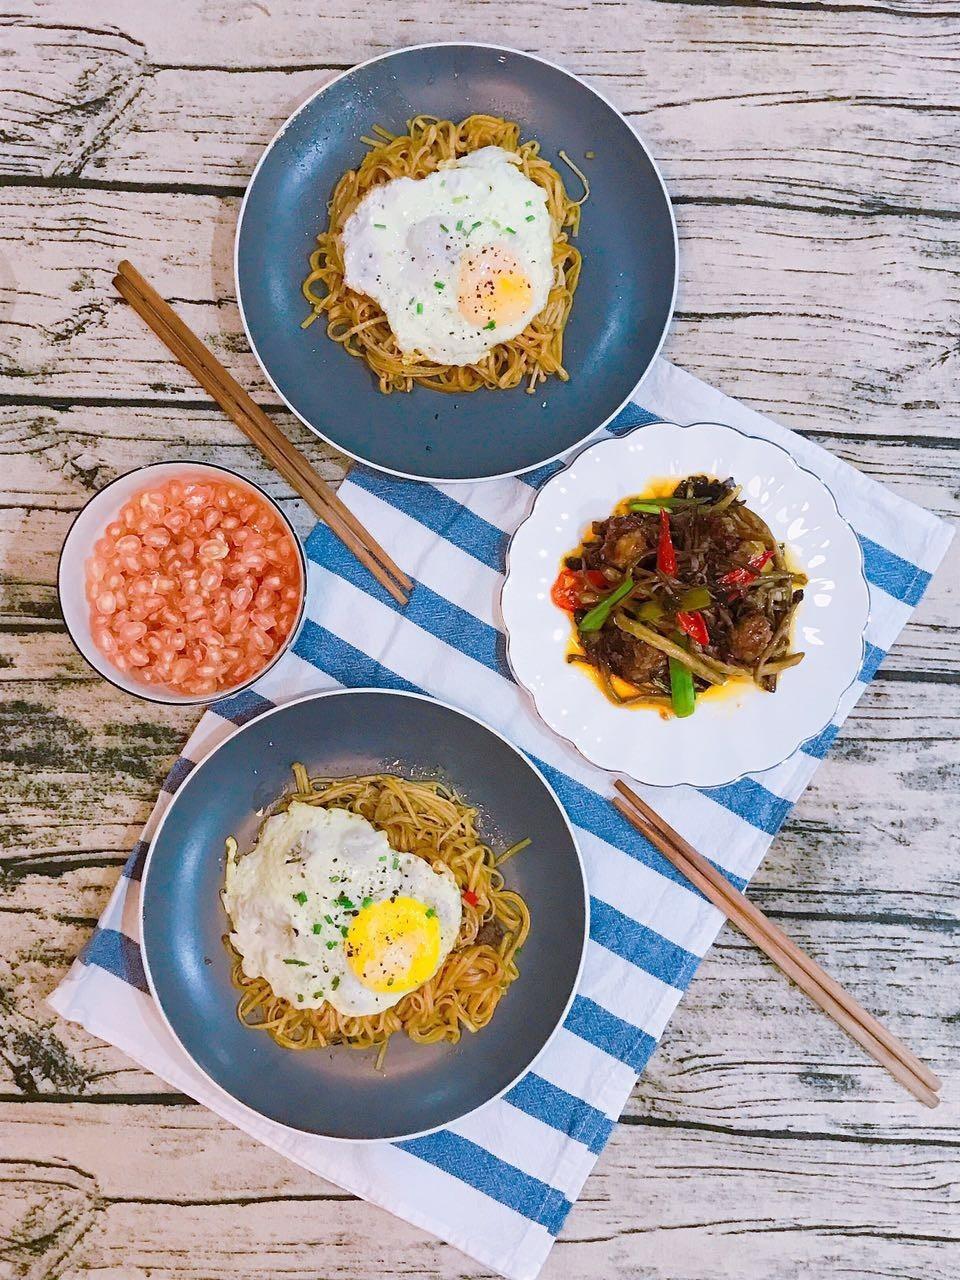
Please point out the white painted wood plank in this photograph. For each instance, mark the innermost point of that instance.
(833, 129)
(184, 1196)
(826, 323)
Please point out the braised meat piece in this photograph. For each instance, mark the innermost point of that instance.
(623, 540)
(703, 487)
(491, 934)
(630, 659)
(750, 636)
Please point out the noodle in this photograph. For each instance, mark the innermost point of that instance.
(358, 323)
(429, 820)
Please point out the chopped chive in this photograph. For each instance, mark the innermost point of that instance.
(431, 912)
(335, 982)
(331, 945)
(367, 902)
(459, 226)
(381, 225)
(382, 858)
(443, 228)
(334, 879)
(318, 995)
(458, 199)
(300, 998)
(301, 963)
(438, 284)
(318, 927)
(531, 217)
(476, 224)
(329, 919)
(300, 897)
(396, 863)
(528, 203)
(491, 325)
(343, 901)
(511, 230)
(419, 308)
(344, 929)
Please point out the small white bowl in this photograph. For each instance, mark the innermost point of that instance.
(747, 730)
(90, 524)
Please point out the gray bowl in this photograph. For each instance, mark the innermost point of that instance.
(620, 313)
(336, 1092)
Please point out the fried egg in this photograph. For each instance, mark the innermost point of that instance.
(325, 910)
(459, 261)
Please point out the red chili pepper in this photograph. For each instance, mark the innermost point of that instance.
(568, 590)
(470, 898)
(666, 555)
(695, 627)
(737, 577)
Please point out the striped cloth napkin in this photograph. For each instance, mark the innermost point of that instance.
(500, 1183)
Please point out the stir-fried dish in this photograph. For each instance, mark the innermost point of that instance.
(671, 596)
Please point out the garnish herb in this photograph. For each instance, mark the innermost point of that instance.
(382, 226)
(331, 945)
(443, 228)
(318, 995)
(318, 927)
(301, 963)
(300, 897)
(419, 308)
(438, 284)
(367, 902)
(335, 982)
(299, 997)
(511, 230)
(491, 325)
(458, 199)
(431, 912)
(329, 919)
(531, 217)
(459, 226)
(344, 929)
(343, 901)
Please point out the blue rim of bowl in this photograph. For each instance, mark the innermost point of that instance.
(284, 648)
(419, 697)
(382, 57)
(747, 435)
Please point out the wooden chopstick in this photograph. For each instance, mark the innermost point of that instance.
(200, 361)
(871, 1035)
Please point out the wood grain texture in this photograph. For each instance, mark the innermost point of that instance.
(811, 149)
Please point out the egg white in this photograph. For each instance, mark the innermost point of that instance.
(307, 862)
(404, 243)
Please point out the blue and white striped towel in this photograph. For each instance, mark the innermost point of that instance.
(499, 1184)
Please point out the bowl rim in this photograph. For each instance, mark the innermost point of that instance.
(382, 57)
(861, 581)
(205, 700)
(316, 696)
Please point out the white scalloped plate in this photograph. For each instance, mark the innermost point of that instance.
(745, 730)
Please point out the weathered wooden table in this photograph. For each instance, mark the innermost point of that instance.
(811, 150)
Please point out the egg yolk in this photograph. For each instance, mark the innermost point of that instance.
(394, 946)
(493, 289)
